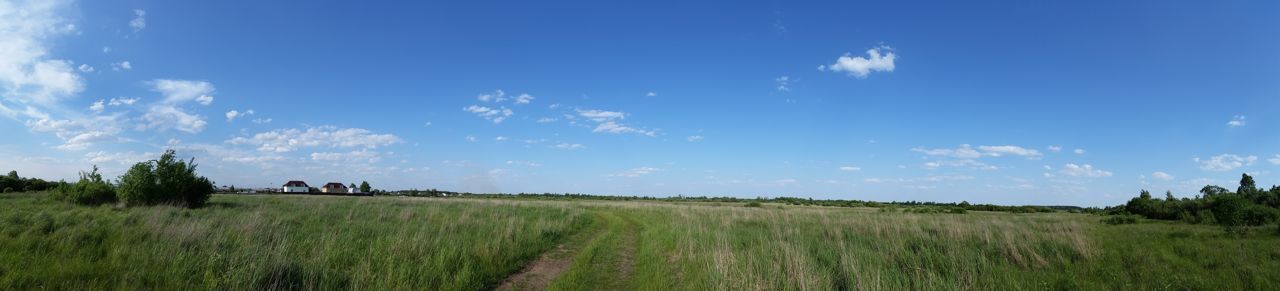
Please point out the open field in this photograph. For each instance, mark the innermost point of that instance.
(305, 242)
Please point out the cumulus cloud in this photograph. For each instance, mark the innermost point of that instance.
(233, 114)
(879, 59)
(616, 128)
(122, 101)
(850, 168)
(98, 106)
(495, 115)
(694, 138)
(997, 151)
(1274, 160)
(1162, 176)
(164, 117)
(27, 73)
(1055, 149)
(524, 99)
(124, 65)
(362, 156)
(1079, 151)
(287, 140)
(85, 68)
(1085, 170)
(1236, 121)
(77, 134)
(651, 94)
(1225, 162)
(783, 83)
(139, 20)
(181, 91)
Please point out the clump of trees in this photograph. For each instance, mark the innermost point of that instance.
(91, 189)
(167, 180)
(1247, 206)
(13, 183)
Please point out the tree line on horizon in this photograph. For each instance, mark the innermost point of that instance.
(1248, 206)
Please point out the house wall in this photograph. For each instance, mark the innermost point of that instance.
(296, 190)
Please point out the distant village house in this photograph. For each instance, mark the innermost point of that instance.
(335, 188)
(296, 187)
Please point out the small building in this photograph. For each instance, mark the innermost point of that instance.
(295, 187)
(334, 188)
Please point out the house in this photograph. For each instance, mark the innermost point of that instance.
(334, 188)
(296, 187)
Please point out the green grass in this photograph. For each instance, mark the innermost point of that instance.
(306, 242)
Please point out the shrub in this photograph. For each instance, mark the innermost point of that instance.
(957, 210)
(1258, 215)
(8, 189)
(167, 180)
(90, 190)
(1120, 219)
(753, 204)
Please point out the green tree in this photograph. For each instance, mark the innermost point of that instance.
(364, 187)
(353, 186)
(1229, 212)
(1246, 184)
(167, 180)
(14, 175)
(90, 190)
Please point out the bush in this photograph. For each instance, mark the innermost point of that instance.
(90, 190)
(753, 204)
(1120, 219)
(1258, 215)
(167, 180)
(957, 210)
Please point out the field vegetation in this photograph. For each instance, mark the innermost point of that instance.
(333, 242)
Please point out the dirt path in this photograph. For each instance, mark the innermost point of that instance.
(616, 235)
(538, 275)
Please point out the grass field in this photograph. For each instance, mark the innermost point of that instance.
(317, 242)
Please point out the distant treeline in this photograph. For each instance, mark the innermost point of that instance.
(780, 200)
(1247, 206)
(13, 183)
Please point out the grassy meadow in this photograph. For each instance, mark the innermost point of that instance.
(379, 243)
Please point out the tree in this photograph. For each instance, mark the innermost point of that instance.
(353, 186)
(90, 190)
(1246, 184)
(167, 180)
(14, 175)
(364, 187)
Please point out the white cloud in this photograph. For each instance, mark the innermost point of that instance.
(181, 91)
(783, 83)
(496, 96)
(997, 151)
(139, 20)
(85, 68)
(262, 120)
(233, 114)
(165, 117)
(98, 106)
(470, 138)
(637, 172)
(524, 163)
(651, 94)
(1275, 160)
(287, 140)
(125, 65)
(1162, 176)
(501, 138)
(616, 128)
(360, 156)
(966, 151)
(860, 67)
(607, 122)
(1236, 121)
(1085, 170)
(496, 115)
(1079, 151)
(1055, 148)
(850, 168)
(77, 134)
(524, 99)
(694, 138)
(601, 115)
(546, 120)
(27, 74)
(122, 101)
(1225, 162)
(569, 146)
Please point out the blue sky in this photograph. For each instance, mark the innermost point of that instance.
(1075, 102)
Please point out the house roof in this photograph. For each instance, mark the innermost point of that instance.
(333, 185)
(295, 184)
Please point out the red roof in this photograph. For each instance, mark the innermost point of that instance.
(295, 184)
